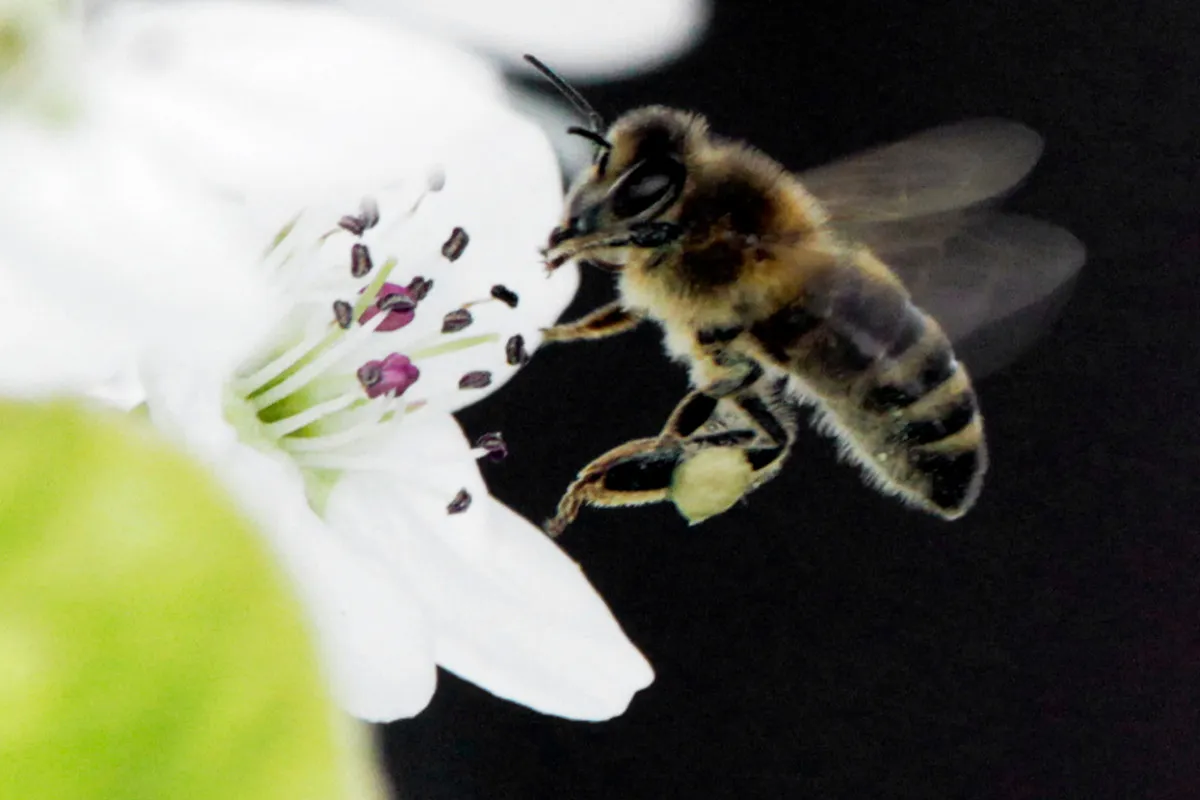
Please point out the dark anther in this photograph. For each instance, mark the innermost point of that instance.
(343, 312)
(515, 352)
(456, 320)
(396, 302)
(495, 445)
(456, 244)
(460, 503)
(505, 295)
(353, 224)
(368, 217)
(370, 374)
(360, 260)
(475, 380)
(419, 287)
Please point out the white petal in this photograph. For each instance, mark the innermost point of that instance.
(553, 115)
(250, 94)
(575, 37)
(374, 635)
(510, 611)
(91, 222)
(45, 348)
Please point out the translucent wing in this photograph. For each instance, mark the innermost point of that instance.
(995, 282)
(947, 168)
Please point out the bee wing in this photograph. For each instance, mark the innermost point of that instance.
(946, 168)
(994, 282)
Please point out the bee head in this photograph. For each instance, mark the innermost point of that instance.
(627, 197)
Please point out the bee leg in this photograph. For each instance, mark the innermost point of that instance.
(608, 320)
(764, 418)
(766, 461)
(773, 435)
(633, 474)
(637, 473)
(695, 410)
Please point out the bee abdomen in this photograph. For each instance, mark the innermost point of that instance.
(893, 394)
(920, 417)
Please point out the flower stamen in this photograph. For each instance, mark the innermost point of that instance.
(283, 427)
(456, 320)
(491, 445)
(349, 340)
(460, 503)
(477, 379)
(514, 351)
(505, 295)
(455, 245)
(418, 288)
(311, 401)
(360, 260)
(395, 303)
(343, 313)
(368, 217)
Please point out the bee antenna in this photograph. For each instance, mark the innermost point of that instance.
(591, 136)
(595, 121)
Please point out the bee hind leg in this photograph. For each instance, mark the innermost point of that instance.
(641, 472)
(636, 473)
(768, 417)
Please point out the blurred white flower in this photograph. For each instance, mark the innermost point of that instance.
(249, 202)
(579, 38)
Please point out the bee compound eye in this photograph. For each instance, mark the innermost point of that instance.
(646, 185)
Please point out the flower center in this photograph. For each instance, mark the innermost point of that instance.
(338, 374)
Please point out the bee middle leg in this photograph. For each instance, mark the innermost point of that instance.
(738, 379)
(772, 422)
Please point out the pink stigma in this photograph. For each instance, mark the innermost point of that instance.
(393, 375)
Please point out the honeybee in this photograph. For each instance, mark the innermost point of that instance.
(781, 291)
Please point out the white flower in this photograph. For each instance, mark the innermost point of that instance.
(578, 37)
(306, 363)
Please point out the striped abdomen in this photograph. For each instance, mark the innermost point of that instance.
(885, 375)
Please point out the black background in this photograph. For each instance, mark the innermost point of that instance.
(822, 641)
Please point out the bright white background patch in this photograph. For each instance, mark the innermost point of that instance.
(577, 37)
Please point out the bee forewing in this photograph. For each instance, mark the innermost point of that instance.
(946, 168)
(994, 282)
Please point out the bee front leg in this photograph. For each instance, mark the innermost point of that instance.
(608, 320)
